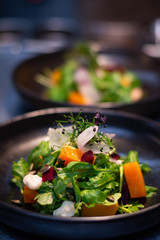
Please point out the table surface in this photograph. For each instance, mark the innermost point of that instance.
(11, 105)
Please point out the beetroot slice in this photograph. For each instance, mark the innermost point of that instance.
(115, 156)
(49, 175)
(125, 194)
(87, 157)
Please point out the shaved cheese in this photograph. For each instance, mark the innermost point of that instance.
(85, 136)
(96, 148)
(58, 137)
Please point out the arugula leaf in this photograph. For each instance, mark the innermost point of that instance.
(60, 188)
(115, 197)
(52, 158)
(76, 190)
(38, 153)
(46, 187)
(77, 168)
(57, 93)
(82, 169)
(93, 196)
(19, 170)
(98, 181)
(151, 191)
(145, 168)
(102, 160)
(111, 187)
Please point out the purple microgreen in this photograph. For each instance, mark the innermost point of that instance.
(99, 118)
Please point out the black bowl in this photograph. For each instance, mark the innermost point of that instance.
(23, 133)
(24, 79)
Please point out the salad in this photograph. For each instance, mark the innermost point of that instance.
(82, 80)
(78, 172)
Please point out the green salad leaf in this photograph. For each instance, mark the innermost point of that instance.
(19, 170)
(38, 153)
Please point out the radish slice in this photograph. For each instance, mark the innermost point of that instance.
(85, 136)
(59, 137)
(86, 86)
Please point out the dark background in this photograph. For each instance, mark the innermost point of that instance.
(143, 11)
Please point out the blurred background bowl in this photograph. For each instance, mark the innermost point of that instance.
(24, 80)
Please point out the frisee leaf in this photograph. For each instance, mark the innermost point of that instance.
(133, 206)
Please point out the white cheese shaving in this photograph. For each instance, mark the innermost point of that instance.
(85, 136)
(57, 139)
(97, 148)
(33, 182)
(67, 209)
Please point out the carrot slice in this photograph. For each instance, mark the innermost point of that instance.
(99, 210)
(135, 180)
(29, 195)
(56, 76)
(76, 98)
(69, 154)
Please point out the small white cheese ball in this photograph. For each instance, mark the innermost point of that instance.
(67, 209)
(33, 182)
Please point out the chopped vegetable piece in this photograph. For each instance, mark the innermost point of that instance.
(86, 136)
(135, 180)
(49, 175)
(88, 157)
(76, 98)
(69, 154)
(56, 76)
(99, 210)
(29, 195)
(126, 81)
